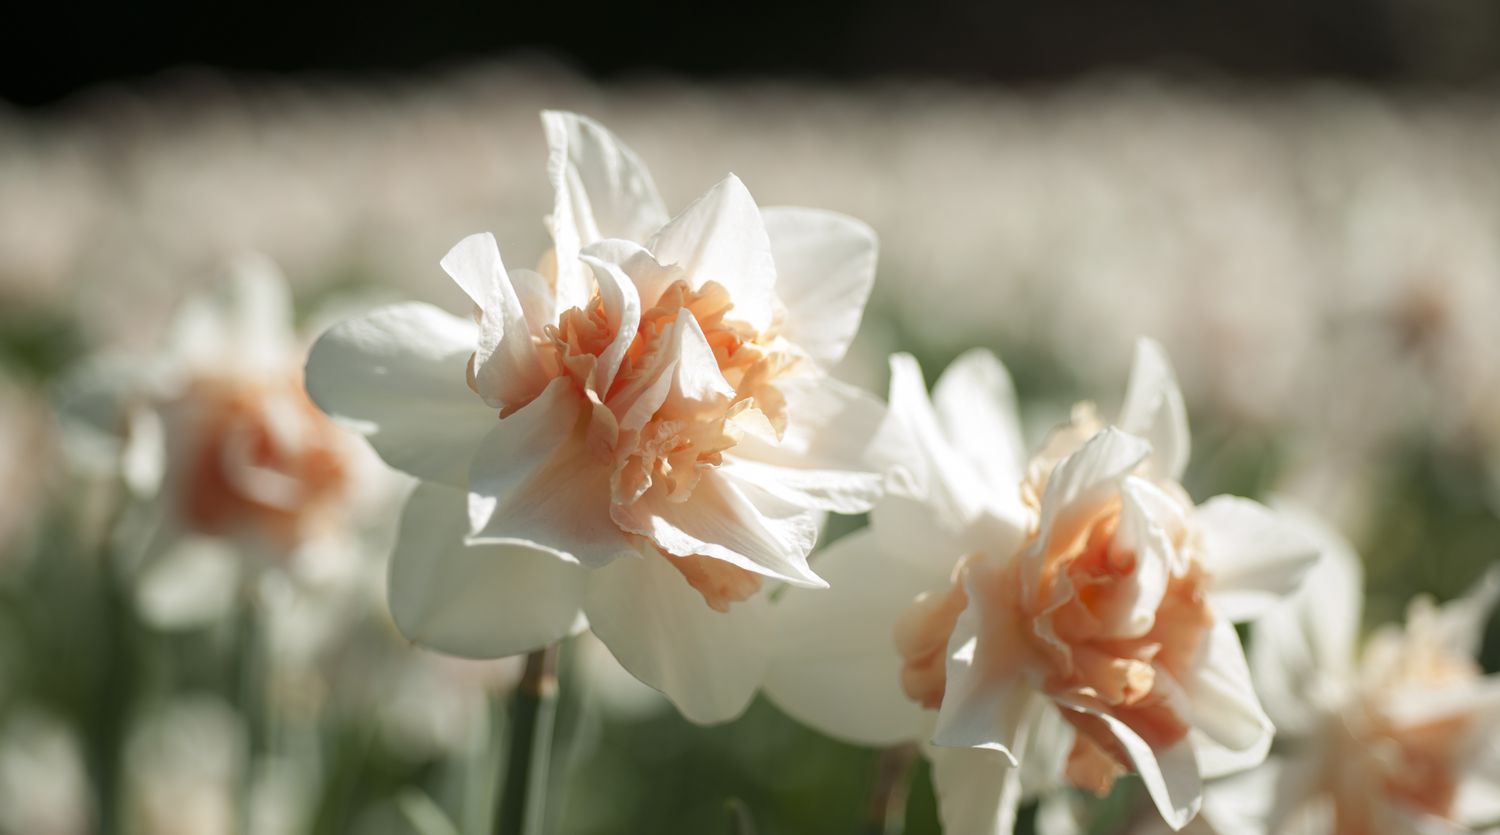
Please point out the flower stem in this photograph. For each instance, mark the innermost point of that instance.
(886, 813)
(533, 707)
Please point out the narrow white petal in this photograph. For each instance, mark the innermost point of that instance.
(1170, 776)
(707, 663)
(563, 507)
(649, 276)
(733, 521)
(506, 367)
(622, 309)
(976, 402)
(722, 238)
(1154, 410)
(1230, 730)
(988, 697)
(825, 268)
(978, 790)
(834, 663)
(1253, 555)
(475, 601)
(396, 375)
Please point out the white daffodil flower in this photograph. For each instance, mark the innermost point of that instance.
(216, 429)
(641, 431)
(1397, 740)
(1070, 616)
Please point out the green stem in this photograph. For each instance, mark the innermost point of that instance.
(886, 814)
(533, 707)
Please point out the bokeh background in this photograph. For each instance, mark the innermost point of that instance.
(1300, 200)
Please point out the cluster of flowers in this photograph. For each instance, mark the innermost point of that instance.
(639, 438)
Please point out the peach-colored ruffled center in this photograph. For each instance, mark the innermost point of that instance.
(259, 456)
(681, 440)
(1070, 628)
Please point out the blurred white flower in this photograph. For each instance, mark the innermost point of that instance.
(1078, 607)
(185, 769)
(666, 403)
(44, 786)
(1397, 740)
(217, 430)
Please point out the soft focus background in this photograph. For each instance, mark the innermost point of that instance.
(1301, 201)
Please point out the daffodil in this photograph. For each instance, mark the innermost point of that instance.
(214, 430)
(640, 433)
(1398, 739)
(1067, 618)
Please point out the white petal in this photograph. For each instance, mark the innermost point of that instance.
(1230, 731)
(519, 446)
(825, 268)
(1144, 533)
(1253, 802)
(506, 367)
(1254, 556)
(1079, 485)
(475, 601)
(831, 425)
(649, 276)
(1170, 776)
(563, 508)
(1154, 410)
(834, 664)
(722, 238)
(536, 297)
(244, 320)
(988, 697)
(978, 790)
(600, 187)
(396, 375)
(733, 521)
(834, 454)
(977, 404)
(1302, 652)
(937, 506)
(707, 663)
(1461, 622)
(622, 309)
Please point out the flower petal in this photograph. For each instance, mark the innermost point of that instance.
(1461, 622)
(506, 368)
(722, 238)
(976, 402)
(600, 189)
(1170, 776)
(978, 790)
(244, 321)
(730, 520)
(834, 665)
(835, 451)
(396, 375)
(707, 663)
(475, 601)
(622, 309)
(563, 507)
(1254, 556)
(988, 696)
(1154, 410)
(1230, 730)
(825, 268)
(520, 445)
(1303, 653)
